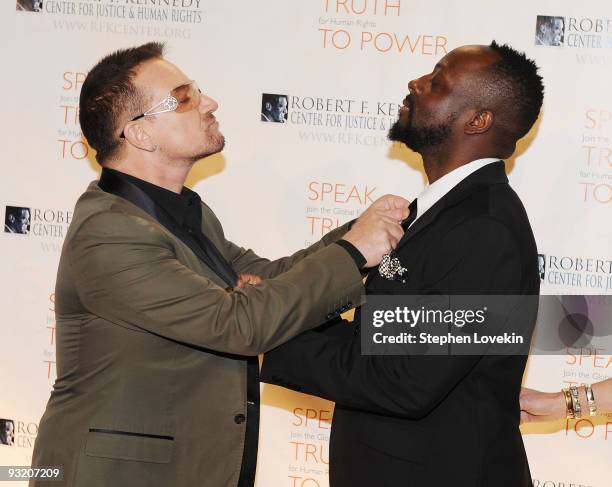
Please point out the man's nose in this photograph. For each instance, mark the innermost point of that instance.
(414, 86)
(207, 104)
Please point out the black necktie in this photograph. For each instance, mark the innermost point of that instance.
(412, 216)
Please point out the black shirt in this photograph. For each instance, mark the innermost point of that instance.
(185, 208)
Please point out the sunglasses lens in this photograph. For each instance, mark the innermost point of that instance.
(188, 97)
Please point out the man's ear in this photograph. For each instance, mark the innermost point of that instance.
(137, 136)
(479, 123)
(268, 106)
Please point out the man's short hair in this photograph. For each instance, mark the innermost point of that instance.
(513, 89)
(108, 94)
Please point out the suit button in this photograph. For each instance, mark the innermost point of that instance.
(239, 419)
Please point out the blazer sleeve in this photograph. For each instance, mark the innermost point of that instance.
(126, 271)
(332, 367)
(246, 261)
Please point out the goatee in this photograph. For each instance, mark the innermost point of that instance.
(421, 138)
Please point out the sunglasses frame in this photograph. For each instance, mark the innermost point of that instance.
(168, 104)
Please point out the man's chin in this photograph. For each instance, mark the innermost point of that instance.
(216, 144)
(399, 133)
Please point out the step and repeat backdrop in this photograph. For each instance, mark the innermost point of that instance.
(307, 92)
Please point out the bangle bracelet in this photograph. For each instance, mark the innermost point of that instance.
(590, 399)
(569, 408)
(576, 402)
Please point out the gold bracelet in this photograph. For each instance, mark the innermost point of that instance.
(569, 406)
(576, 402)
(590, 399)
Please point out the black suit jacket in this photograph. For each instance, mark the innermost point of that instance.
(424, 420)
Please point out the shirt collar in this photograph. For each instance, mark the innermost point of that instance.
(437, 190)
(179, 206)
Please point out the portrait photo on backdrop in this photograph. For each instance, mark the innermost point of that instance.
(550, 31)
(7, 432)
(17, 220)
(274, 108)
(29, 5)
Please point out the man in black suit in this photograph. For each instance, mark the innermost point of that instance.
(438, 420)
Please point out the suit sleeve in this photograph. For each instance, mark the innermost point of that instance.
(332, 367)
(246, 261)
(126, 271)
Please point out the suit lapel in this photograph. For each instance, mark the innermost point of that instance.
(493, 173)
(128, 191)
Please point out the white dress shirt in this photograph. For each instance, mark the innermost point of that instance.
(435, 191)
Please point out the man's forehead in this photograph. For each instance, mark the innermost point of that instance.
(159, 76)
(468, 57)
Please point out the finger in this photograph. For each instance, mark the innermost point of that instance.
(395, 232)
(525, 402)
(398, 214)
(526, 398)
(380, 203)
(250, 278)
(399, 202)
(387, 202)
(389, 220)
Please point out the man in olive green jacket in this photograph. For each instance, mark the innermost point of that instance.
(157, 333)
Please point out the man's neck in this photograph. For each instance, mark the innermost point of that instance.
(169, 177)
(440, 162)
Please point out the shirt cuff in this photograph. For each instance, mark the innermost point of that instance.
(356, 255)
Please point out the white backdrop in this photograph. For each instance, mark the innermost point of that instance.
(278, 187)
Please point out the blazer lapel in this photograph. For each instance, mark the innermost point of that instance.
(128, 191)
(493, 173)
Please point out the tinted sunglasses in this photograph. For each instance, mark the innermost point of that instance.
(181, 99)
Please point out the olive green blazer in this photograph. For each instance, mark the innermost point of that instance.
(150, 376)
